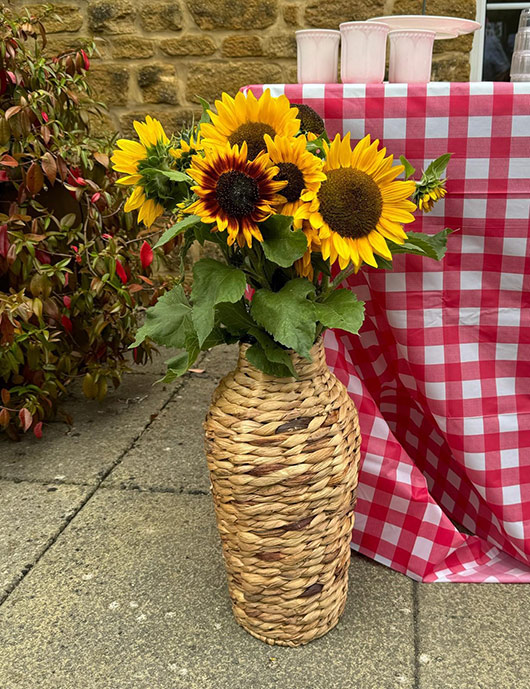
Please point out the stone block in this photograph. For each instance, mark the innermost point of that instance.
(233, 14)
(445, 8)
(210, 79)
(110, 83)
(450, 67)
(158, 83)
(283, 45)
(328, 15)
(161, 16)
(132, 47)
(111, 16)
(62, 18)
(291, 15)
(193, 44)
(172, 120)
(242, 46)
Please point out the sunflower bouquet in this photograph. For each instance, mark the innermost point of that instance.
(292, 215)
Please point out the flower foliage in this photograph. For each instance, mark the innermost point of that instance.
(292, 215)
(71, 265)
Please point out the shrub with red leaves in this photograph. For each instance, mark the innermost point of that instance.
(71, 264)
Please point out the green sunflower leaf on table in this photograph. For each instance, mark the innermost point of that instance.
(213, 283)
(430, 245)
(177, 229)
(341, 309)
(288, 315)
(409, 169)
(281, 244)
(436, 169)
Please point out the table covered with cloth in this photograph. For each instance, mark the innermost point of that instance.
(440, 371)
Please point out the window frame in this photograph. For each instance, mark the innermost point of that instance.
(476, 58)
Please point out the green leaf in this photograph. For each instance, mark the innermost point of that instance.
(437, 167)
(213, 283)
(409, 170)
(383, 263)
(205, 117)
(275, 355)
(168, 321)
(175, 175)
(204, 233)
(258, 358)
(235, 318)
(281, 244)
(431, 245)
(176, 367)
(177, 229)
(341, 310)
(288, 315)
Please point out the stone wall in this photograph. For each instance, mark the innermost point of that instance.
(156, 56)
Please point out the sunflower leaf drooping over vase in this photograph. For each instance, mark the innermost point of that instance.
(292, 216)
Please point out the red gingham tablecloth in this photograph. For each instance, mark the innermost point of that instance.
(441, 370)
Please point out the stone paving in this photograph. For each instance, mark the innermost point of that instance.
(111, 574)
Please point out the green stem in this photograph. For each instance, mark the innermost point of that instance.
(340, 277)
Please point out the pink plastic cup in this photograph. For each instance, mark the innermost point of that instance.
(363, 52)
(318, 56)
(410, 56)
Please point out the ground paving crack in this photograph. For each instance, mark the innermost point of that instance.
(416, 623)
(102, 476)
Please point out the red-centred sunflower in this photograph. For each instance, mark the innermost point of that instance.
(233, 192)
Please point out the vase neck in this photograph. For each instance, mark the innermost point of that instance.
(306, 369)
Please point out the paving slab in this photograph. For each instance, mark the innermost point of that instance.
(170, 454)
(133, 596)
(474, 636)
(101, 432)
(31, 515)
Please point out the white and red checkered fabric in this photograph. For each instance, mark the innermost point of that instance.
(441, 370)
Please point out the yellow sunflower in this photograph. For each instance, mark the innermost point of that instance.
(300, 169)
(131, 156)
(247, 119)
(360, 204)
(189, 146)
(429, 197)
(234, 192)
(310, 121)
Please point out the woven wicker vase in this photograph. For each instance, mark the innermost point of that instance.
(283, 456)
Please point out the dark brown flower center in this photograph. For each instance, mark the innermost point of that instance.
(252, 133)
(350, 202)
(310, 121)
(237, 193)
(295, 181)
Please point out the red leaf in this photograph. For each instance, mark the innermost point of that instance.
(6, 396)
(38, 430)
(34, 179)
(14, 108)
(43, 257)
(66, 323)
(95, 197)
(8, 161)
(120, 270)
(49, 166)
(4, 241)
(102, 159)
(25, 418)
(146, 255)
(67, 301)
(45, 116)
(147, 280)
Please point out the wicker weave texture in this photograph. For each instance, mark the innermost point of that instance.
(283, 456)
